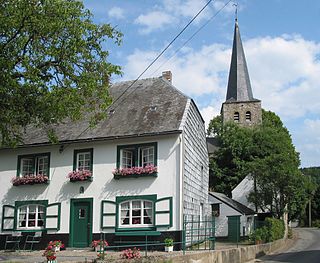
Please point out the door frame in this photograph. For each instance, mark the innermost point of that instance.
(73, 201)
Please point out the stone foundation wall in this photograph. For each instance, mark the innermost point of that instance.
(234, 255)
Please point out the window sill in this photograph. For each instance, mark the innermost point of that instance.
(89, 179)
(117, 177)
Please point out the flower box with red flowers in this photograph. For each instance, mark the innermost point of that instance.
(80, 175)
(30, 179)
(148, 170)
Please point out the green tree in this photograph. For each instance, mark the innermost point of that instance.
(52, 64)
(314, 174)
(267, 154)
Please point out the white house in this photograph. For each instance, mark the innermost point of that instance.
(153, 132)
(231, 216)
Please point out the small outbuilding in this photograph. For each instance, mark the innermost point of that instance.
(233, 219)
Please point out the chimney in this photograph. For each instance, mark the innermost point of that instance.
(167, 75)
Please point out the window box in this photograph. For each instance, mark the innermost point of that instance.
(82, 175)
(30, 180)
(148, 170)
(32, 169)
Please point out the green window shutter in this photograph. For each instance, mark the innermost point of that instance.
(8, 218)
(163, 212)
(53, 212)
(108, 214)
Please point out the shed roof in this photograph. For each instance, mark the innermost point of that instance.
(232, 203)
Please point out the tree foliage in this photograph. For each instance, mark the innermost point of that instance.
(53, 64)
(314, 174)
(267, 154)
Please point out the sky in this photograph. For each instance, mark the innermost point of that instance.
(281, 40)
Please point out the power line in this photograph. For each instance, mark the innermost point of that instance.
(190, 38)
(161, 53)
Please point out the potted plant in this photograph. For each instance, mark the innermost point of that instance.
(99, 245)
(50, 255)
(30, 179)
(56, 245)
(80, 175)
(168, 244)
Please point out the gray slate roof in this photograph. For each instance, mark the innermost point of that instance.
(150, 107)
(232, 203)
(239, 87)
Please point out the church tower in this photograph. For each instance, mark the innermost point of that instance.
(240, 105)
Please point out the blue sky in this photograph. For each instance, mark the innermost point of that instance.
(281, 39)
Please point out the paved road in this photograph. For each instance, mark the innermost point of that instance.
(305, 250)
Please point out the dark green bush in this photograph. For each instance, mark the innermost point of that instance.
(273, 230)
(276, 229)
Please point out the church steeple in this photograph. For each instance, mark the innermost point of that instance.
(240, 105)
(239, 87)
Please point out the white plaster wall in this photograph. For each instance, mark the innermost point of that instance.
(195, 182)
(103, 186)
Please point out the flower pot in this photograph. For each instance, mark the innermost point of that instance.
(55, 249)
(168, 249)
(52, 261)
(98, 248)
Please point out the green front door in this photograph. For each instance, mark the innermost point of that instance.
(234, 228)
(80, 222)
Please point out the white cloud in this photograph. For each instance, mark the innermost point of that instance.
(172, 12)
(308, 142)
(116, 12)
(208, 113)
(284, 72)
(154, 20)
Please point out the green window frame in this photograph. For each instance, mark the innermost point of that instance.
(35, 164)
(29, 214)
(137, 155)
(121, 199)
(83, 153)
(136, 216)
(111, 213)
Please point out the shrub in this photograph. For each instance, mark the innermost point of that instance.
(275, 228)
(316, 223)
(130, 253)
(260, 234)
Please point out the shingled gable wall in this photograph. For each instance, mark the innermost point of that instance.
(196, 169)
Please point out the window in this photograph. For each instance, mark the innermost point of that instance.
(136, 213)
(139, 155)
(31, 216)
(35, 164)
(83, 159)
(144, 212)
(236, 117)
(215, 208)
(248, 116)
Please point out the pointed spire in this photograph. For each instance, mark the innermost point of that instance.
(239, 87)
